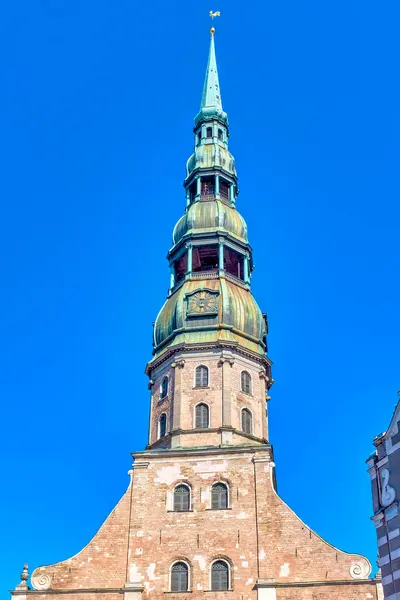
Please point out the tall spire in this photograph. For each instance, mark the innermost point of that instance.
(211, 92)
(211, 102)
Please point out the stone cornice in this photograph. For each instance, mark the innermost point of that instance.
(326, 582)
(204, 451)
(54, 592)
(156, 362)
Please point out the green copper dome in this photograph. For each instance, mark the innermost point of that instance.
(214, 216)
(211, 155)
(234, 317)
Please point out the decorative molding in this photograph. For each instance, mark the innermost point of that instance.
(69, 591)
(268, 583)
(202, 302)
(180, 363)
(195, 451)
(41, 581)
(388, 493)
(360, 568)
(221, 344)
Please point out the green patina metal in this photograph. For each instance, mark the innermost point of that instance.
(205, 217)
(211, 101)
(210, 307)
(239, 319)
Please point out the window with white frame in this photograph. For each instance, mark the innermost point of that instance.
(219, 496)
(182, 498)
(245, 382)
(202, 416)
(164, 387)
(201, 379)
(179, 577)
(220, 575)
(162, 425)
(247, 421)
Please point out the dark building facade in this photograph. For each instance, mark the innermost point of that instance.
(384, 471)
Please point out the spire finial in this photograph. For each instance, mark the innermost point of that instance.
(211, 103)
(213, 15)
(24, 578)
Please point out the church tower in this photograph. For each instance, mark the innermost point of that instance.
(201, 517)
(210, 375)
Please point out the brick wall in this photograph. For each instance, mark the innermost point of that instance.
(260, 537)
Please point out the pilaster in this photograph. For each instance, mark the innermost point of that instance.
(177, 366)
(226, 363)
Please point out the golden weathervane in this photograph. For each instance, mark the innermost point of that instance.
(213, 15)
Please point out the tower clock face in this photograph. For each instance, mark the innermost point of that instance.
(203, 302)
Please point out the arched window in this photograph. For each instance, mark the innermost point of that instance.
(202, 416)
(209, 132)
(164, 387)
(247, 421)
(220, 576)
(220, 134)
(179, 577)
(245, 380)
(199, 137)
(162, 425)
(201, 376)
(219, 496)
(182, 498)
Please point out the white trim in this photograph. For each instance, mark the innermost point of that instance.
(226, 484)
(189, 487)
(382, 462)
(391, 449)
(384, 560)
(394, 554)
(372, 474)
(185, 562)
(393, 534)
(164, 377)
(382, 540)
(159, 437)
(395, 596)
(229, 573)
(250, 393)
(387, 579)
(209, 415)
(202, 387)
(252, 420)
(266, 593)
(391, 512)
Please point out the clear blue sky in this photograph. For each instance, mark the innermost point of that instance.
(96, 118)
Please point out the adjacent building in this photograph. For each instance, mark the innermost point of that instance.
(384, 470)
(201, 518)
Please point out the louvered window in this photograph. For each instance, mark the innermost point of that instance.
(201, 376)
(219, 576)
(181, 498)
(247, 421)
(219, 496)
(179, 577)
(202, 416)
(162, 425)
(164, 387)
(246, 382)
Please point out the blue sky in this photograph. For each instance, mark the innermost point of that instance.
(96, 118)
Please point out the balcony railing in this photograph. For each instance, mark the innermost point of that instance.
(234, 279)
(212, 274)
(207, 197)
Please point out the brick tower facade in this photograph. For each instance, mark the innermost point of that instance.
(215, 526)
